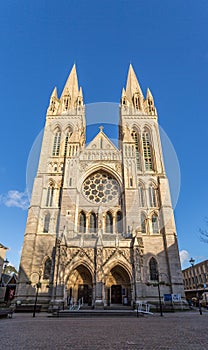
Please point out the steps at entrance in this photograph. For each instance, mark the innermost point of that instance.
(118, 307)
(96, 313)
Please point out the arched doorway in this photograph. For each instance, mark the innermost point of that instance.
(79, 285)
(118, 286)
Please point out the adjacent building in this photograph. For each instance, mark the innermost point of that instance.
(100, 224)
(196, 279)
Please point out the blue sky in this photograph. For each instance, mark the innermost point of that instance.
(167, 43)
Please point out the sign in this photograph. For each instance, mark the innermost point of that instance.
(167, 297)
(176, 298)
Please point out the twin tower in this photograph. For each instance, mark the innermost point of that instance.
(100, 227)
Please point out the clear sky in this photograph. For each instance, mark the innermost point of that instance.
(167, 43)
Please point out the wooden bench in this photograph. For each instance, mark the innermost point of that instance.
(27, 308)
(4, 313)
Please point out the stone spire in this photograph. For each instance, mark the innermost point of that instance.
(149, 103)
(54, 102)
(134, 93)
(71, 86)
(132, 85)
(71, 96)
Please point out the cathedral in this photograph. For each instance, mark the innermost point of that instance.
(100, 225)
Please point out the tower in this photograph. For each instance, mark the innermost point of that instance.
(100, 225)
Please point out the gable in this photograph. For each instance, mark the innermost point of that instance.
(101, 142)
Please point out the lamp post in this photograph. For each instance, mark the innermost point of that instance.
(4, 265)
(38, 285)
(192, 261)
(158, 285)
(6, 262)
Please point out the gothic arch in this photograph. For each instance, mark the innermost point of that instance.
(68, 128)
(153, 268)
(97, 168)
(51, 182)
(155, 222)
(46, 267)
(75, 263)
(115, 261)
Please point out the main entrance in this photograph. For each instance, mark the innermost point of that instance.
(116, 294)
(118, 286)
(85, 293)
(79, 285)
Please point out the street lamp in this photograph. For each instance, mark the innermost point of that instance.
(158, 286)
(38, 285)
(6, 262)
(192, 261)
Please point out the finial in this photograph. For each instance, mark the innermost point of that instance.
(101, 128)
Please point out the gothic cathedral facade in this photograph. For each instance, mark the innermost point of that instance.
(100, 224)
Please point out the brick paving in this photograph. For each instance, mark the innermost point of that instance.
(177, 331)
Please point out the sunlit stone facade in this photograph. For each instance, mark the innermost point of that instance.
(100, 225)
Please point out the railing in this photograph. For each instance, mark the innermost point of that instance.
(76, 306)
(143, 308)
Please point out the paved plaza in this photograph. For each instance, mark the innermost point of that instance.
(182, 330)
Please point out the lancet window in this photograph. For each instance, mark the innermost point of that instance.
(147, 151)
(46, 223)
(56, 143)
(153, 269)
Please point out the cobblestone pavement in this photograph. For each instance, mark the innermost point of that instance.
(182, 330)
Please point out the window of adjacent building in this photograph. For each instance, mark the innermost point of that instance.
(46, 223)
(47, 269)
(82, 222)
(147, 151)
(56, 143)
(109, 222)
(153, 269)
(93, 223)
(155, 224)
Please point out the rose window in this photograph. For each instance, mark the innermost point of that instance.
(100, 187)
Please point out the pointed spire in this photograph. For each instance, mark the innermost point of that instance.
(71, 86)
(80, 92)
(123, 93)
(132, 84)
(149, 103)
(54, 93)
(54, 102)
(149, 94)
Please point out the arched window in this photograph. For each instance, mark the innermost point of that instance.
(93, 223)
(147, 151)
(49, 198)
(141, 196)
(143, 223)
(136, 101)
(153, 200)
(56, 143)
(155, 224)
(136, 142)
(66, 101)
(119, 222)
(109, 222)
(153, 269)
(68, 134)
(47, 269)
(46, 223)
(82, 222)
